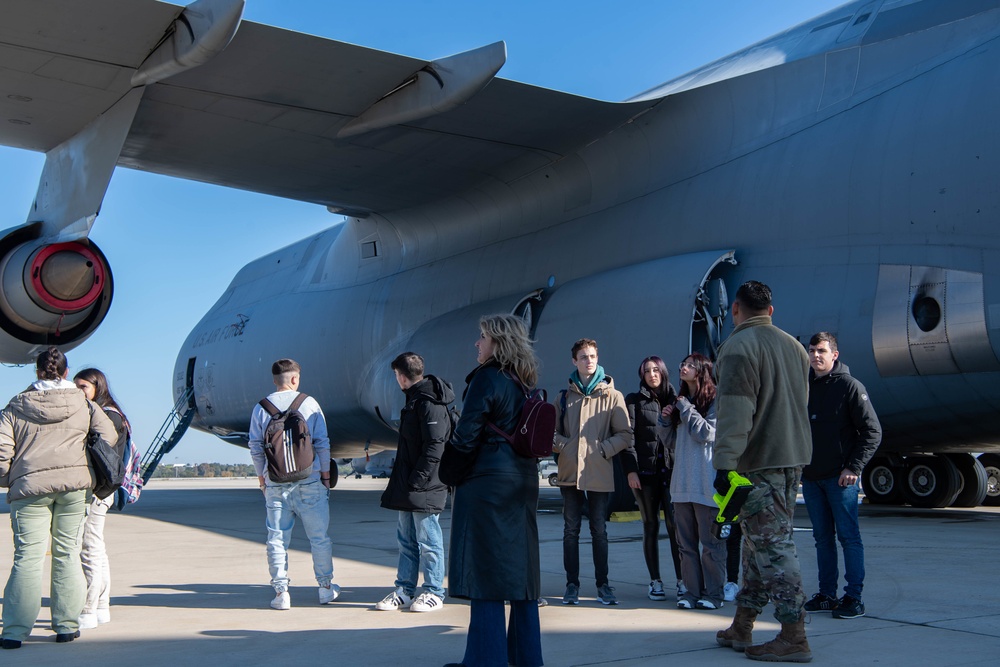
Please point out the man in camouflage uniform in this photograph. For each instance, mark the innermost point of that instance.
(763, 433)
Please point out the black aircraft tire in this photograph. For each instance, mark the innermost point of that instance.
(931, 481)
(991, 462)
(882, 483)
(974, 480)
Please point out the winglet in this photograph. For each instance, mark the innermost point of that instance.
(440, 86)
(202, 31)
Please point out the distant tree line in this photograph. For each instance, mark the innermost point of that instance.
(206, 470)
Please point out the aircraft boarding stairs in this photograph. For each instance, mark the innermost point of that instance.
(169, 435)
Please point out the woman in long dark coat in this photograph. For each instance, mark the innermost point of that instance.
(494, 534)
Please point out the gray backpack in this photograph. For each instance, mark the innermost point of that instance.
(287, 443)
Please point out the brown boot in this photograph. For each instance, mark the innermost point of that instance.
(738, 635)
(789, 646)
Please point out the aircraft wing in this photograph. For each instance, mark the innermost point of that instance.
(264, 114)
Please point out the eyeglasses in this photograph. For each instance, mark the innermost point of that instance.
(686, 364)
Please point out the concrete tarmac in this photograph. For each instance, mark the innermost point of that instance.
(190, 587)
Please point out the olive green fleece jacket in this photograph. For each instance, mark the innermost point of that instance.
(593, 429)
(763, 396)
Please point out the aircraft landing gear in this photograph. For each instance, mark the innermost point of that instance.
(931, 481)
(882, 482)
(974, 480)
(991, 462)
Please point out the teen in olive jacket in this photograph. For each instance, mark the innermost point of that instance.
(590, 430)
(43, 464)
(43, 431)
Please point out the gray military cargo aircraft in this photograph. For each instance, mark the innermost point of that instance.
(851, 162)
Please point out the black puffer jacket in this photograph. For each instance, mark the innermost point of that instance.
(424, 427)
(651, 439)
(845, 430)
(494, 533)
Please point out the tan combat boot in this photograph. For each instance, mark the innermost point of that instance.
(738, 635)
(789, 646)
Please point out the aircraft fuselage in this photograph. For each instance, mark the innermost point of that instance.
(856, 182)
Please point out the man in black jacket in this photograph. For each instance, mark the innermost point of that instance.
(414, 487)
(845, 434)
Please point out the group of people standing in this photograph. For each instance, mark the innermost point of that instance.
(673, 436)
(751, 412)
(49, 481)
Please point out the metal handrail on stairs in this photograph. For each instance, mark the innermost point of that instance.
(169, 434)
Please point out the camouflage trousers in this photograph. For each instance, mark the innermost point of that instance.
(770, 564)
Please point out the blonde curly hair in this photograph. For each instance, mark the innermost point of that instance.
(512, 346)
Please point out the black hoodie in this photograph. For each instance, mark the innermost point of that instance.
(424, 428)
(845, 429)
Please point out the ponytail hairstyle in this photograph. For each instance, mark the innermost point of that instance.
(51, 364)
(704, 394)
(102, 392)
(665, 393)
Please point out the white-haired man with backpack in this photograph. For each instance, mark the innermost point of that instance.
(306, 498)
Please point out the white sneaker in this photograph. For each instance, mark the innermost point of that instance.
(282, 601)
(88, 621)
(328, 594)
(427, 602)
(398, 599)
(684, 603)
(729, 591)
(681, 589)
(103, 615)
(656, 591)
(705, 603)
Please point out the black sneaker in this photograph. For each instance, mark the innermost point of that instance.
(821, 602)
(848, 607)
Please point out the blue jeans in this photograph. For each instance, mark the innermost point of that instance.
(487, 644)
(833, 511)
(309, 501)
(33, 521)
(597, 509)
(420, 544)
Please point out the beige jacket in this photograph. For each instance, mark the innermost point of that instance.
(43, 432)
(593, 429)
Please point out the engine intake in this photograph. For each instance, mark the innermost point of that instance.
(52, 293)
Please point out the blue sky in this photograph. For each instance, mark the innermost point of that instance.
(175, 245)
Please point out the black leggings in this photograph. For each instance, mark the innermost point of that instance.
(653, 497)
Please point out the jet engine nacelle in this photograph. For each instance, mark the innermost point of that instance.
(52, 293)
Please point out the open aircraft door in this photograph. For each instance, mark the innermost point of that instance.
(665, 307)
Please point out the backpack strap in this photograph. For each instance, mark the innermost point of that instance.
(297, 403)
(562, 410)
(269, 407)
(508, 438)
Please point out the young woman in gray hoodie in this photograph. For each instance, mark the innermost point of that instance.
(703, 556)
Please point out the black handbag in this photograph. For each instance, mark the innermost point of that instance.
(456, 465)
(109, 468)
